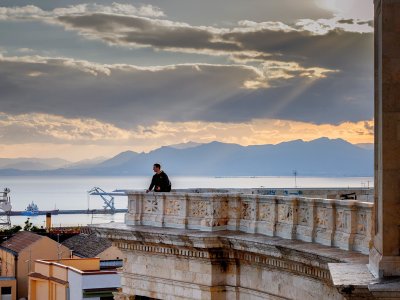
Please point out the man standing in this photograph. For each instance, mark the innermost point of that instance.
(160, 181)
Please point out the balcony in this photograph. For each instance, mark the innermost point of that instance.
(345, 224)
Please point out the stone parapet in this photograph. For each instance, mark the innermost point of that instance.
(345, 224)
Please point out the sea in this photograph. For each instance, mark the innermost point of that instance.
(64, 192)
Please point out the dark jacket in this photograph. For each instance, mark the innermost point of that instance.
(160, 180)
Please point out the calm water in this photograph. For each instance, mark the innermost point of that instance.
(71, 192)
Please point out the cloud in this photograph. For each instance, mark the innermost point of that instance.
(124, 25)
(256, 132)
(249, 39)
(310, 70)
(57, 133)
(32, 12)
(324, 26)
(34, 127)
(359, 9)
(25, 50)
(119, 94)
(127, 95)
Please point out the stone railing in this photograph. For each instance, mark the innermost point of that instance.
(341, 223)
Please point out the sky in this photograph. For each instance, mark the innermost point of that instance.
(80, 80)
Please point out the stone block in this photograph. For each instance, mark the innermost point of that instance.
(203, 278)
(182, 264)
(200, 266)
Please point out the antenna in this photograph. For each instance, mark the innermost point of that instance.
(29, 261)
(58, 247)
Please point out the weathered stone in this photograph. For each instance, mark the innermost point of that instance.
(258, 266)
(385, 253)
(345, 224)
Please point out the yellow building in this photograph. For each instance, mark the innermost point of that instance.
(74, 278)
(18, 254)
(8, 288)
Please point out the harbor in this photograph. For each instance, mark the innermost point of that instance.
(63, 212)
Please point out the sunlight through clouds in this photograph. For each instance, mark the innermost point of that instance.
(110, 76)
(361, 9)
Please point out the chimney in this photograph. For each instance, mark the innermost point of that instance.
(48, 221)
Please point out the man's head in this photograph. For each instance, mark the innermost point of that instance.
(156, 168)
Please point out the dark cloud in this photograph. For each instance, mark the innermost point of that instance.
(347, 21)
(146, 32)
(369, 23)
(337, 49)
(128, 96)
(208, 12)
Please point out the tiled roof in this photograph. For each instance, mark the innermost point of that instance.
(21, 240)
(87, 245)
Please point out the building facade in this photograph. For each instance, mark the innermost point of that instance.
(19, 253)
(68, 279)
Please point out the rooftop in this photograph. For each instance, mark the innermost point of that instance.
(87, 245)
(20, 241)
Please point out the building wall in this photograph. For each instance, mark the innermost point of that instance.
(75, 285)
(7, 263)
(46, 290)
(60, 292)
(45, 248)
(98, 281)
(168, 277)
(9, 283)
(86, 264)
(111, 253)
(42, 289)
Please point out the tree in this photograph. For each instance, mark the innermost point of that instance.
(28, 225)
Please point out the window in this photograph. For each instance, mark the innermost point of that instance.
(6, 290)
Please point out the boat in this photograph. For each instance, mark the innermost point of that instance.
(31, 210)
(54, 211)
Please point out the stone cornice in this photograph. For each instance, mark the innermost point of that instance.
(305, 259)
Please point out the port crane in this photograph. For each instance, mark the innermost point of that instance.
(108, 199)
(5, 206)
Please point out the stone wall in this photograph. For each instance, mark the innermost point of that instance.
(176, 277)
(166, 263)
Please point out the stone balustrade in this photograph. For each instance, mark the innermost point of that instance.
(341, 223)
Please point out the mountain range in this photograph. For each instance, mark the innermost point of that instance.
(320, 157)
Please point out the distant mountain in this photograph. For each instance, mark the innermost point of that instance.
(86, 163)
(320, 157)
(369, 146)
(185, 145)
(30, 163)
(117, 160)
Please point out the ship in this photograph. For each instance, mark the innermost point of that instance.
(31, 210)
